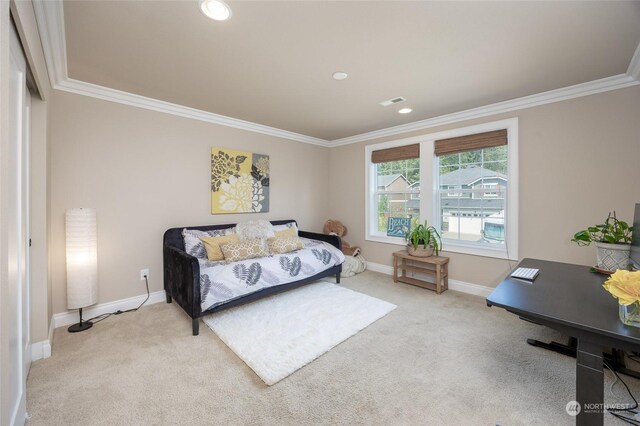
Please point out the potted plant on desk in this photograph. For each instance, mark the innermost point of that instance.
(612, 240)
(423, 241)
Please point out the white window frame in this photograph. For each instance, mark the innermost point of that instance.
(429, 200)
(371, 208)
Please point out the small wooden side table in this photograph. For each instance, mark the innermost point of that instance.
(437, 266)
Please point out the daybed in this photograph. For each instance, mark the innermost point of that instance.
(188, 285)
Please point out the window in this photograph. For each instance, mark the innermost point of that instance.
(462, 181)
(397, 182)
(476, 205)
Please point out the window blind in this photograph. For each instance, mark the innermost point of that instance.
(405, 152)
(471, 142)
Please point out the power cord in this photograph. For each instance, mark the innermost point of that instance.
(103, 317)
(616, 411)
(612, 385)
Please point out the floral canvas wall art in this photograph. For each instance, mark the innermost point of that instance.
(239, 182)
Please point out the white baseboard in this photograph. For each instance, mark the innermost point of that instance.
(461, 286)
(378, 267)
(71, 317)
(37, 350)
(42, 349)
(470, 288)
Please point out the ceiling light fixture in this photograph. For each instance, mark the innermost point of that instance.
(215, 9)
(339, 75)
(404, 110)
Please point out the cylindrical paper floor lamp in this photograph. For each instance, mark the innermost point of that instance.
(82, 262)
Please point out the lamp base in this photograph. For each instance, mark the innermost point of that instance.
(81, 326)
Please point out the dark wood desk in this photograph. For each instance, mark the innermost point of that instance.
(570, 299)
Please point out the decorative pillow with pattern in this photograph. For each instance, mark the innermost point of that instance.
(212, 245)
(286, 244)
(194, 246)
(254, 229)
(286, 226)
(247, 249)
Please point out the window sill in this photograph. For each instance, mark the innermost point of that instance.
(453, 247)
(474, 250)
(386, 240)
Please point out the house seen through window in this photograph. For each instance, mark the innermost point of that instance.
(463, 181)
(475, 212)
(472, 192)
(398, 191)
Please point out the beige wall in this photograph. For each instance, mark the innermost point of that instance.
(578, 160)
(146, 172)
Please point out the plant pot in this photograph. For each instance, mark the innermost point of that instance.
(420, 251)
(612, 256)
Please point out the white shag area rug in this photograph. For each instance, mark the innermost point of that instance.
(280, 334)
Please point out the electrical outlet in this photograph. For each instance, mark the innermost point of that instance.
(144, 272)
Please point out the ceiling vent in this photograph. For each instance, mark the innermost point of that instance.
(393, 101)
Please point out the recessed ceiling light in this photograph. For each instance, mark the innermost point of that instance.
(340, 75)
(405, 110)
(215, 9)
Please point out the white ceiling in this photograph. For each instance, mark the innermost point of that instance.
(272, 62)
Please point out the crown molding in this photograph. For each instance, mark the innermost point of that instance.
(584, 89)
(126, 98)
(50, 20)
(634, 65)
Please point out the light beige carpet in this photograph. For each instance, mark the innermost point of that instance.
(446, 359)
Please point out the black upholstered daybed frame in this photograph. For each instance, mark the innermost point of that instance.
(182, 273)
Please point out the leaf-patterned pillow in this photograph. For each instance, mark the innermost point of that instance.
(194, 246)
(284, 244)
(248, 249)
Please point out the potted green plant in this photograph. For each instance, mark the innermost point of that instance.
(612, 240)
(423, 241)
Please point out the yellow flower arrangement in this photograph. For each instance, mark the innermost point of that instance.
(624, 286)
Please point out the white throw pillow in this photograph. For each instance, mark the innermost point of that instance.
(254, 229)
